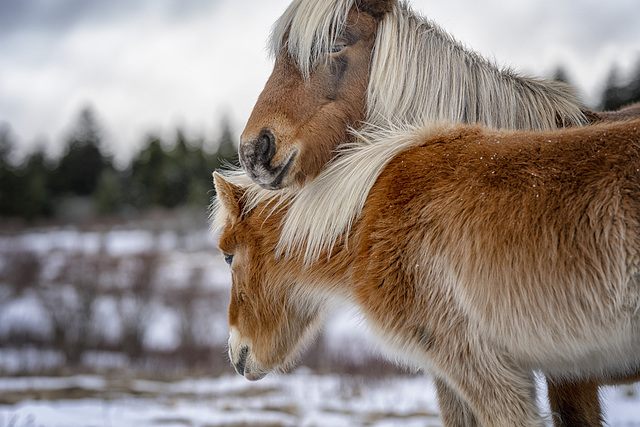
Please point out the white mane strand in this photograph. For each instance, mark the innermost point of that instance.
(323, 211)
(307, 29)
(421, 73)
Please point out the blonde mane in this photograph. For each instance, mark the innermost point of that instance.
(322, 212)
(307, 29)
(254, 196)
(419, 73)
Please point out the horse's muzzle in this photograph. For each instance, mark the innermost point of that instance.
(243, 364)
(256, 157)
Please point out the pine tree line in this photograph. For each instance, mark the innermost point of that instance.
(163, 173)
(620, 91)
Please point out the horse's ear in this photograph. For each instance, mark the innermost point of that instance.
(376, 8)
(229, 195)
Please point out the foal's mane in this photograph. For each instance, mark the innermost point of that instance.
(321, 213)
(419, 73)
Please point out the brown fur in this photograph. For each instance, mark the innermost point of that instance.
(479, 255)
(575, 404)
(629, 112)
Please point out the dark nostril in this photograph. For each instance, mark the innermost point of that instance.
(267, 144)
(242, 360)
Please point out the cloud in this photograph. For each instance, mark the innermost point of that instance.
(47, 16)
(148, 70)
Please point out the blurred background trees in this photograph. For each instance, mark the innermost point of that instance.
(84, 180)
(165, 173)
(620, 91)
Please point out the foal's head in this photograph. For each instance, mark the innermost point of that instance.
(316, 92)
(270, 316)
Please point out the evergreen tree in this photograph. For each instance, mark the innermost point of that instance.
(36, 198)
(561, 75)
(82, 164)
(617, 93)
(634, 84)
(612, 98)
(109, 197)
(8, 180)
(178, 172)
(147, 174)
(227, 150)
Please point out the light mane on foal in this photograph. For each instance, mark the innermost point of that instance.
(420, 73)
(322, 212)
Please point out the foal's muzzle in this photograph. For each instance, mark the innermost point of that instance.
(244, 365)
(256, 157)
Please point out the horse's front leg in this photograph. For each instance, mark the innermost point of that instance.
(498, 392)
(575, 404)
(454, 412)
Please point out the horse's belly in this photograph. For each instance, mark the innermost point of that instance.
(605, 355)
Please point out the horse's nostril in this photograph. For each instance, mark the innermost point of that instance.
(267, 145)
(242, 360)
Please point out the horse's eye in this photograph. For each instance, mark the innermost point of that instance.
(337, 48)
(228, 259)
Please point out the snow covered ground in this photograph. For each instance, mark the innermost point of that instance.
(302, 398)
(297, 400)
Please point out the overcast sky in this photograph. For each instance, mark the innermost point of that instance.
(152, 65)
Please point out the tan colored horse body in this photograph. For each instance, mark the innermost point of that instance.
(478, 255)
(342, 63)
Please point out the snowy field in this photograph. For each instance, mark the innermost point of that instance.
(297, 400)
(120, 398)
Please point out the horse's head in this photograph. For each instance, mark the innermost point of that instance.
(270, 317)
(316, 92)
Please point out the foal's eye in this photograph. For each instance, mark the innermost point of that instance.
(228, 259)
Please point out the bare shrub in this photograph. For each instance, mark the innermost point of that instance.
(69, 300)
(194, 306)
(20, 269)
(134, 308)
(88, 307)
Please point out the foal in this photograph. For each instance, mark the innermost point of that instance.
(477, 255)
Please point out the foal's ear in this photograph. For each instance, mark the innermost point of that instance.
(229, 195)
(376, 8)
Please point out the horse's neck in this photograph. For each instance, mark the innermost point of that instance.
(420, 74)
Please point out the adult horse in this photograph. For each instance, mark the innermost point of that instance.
(452, 277)
(342, 63)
